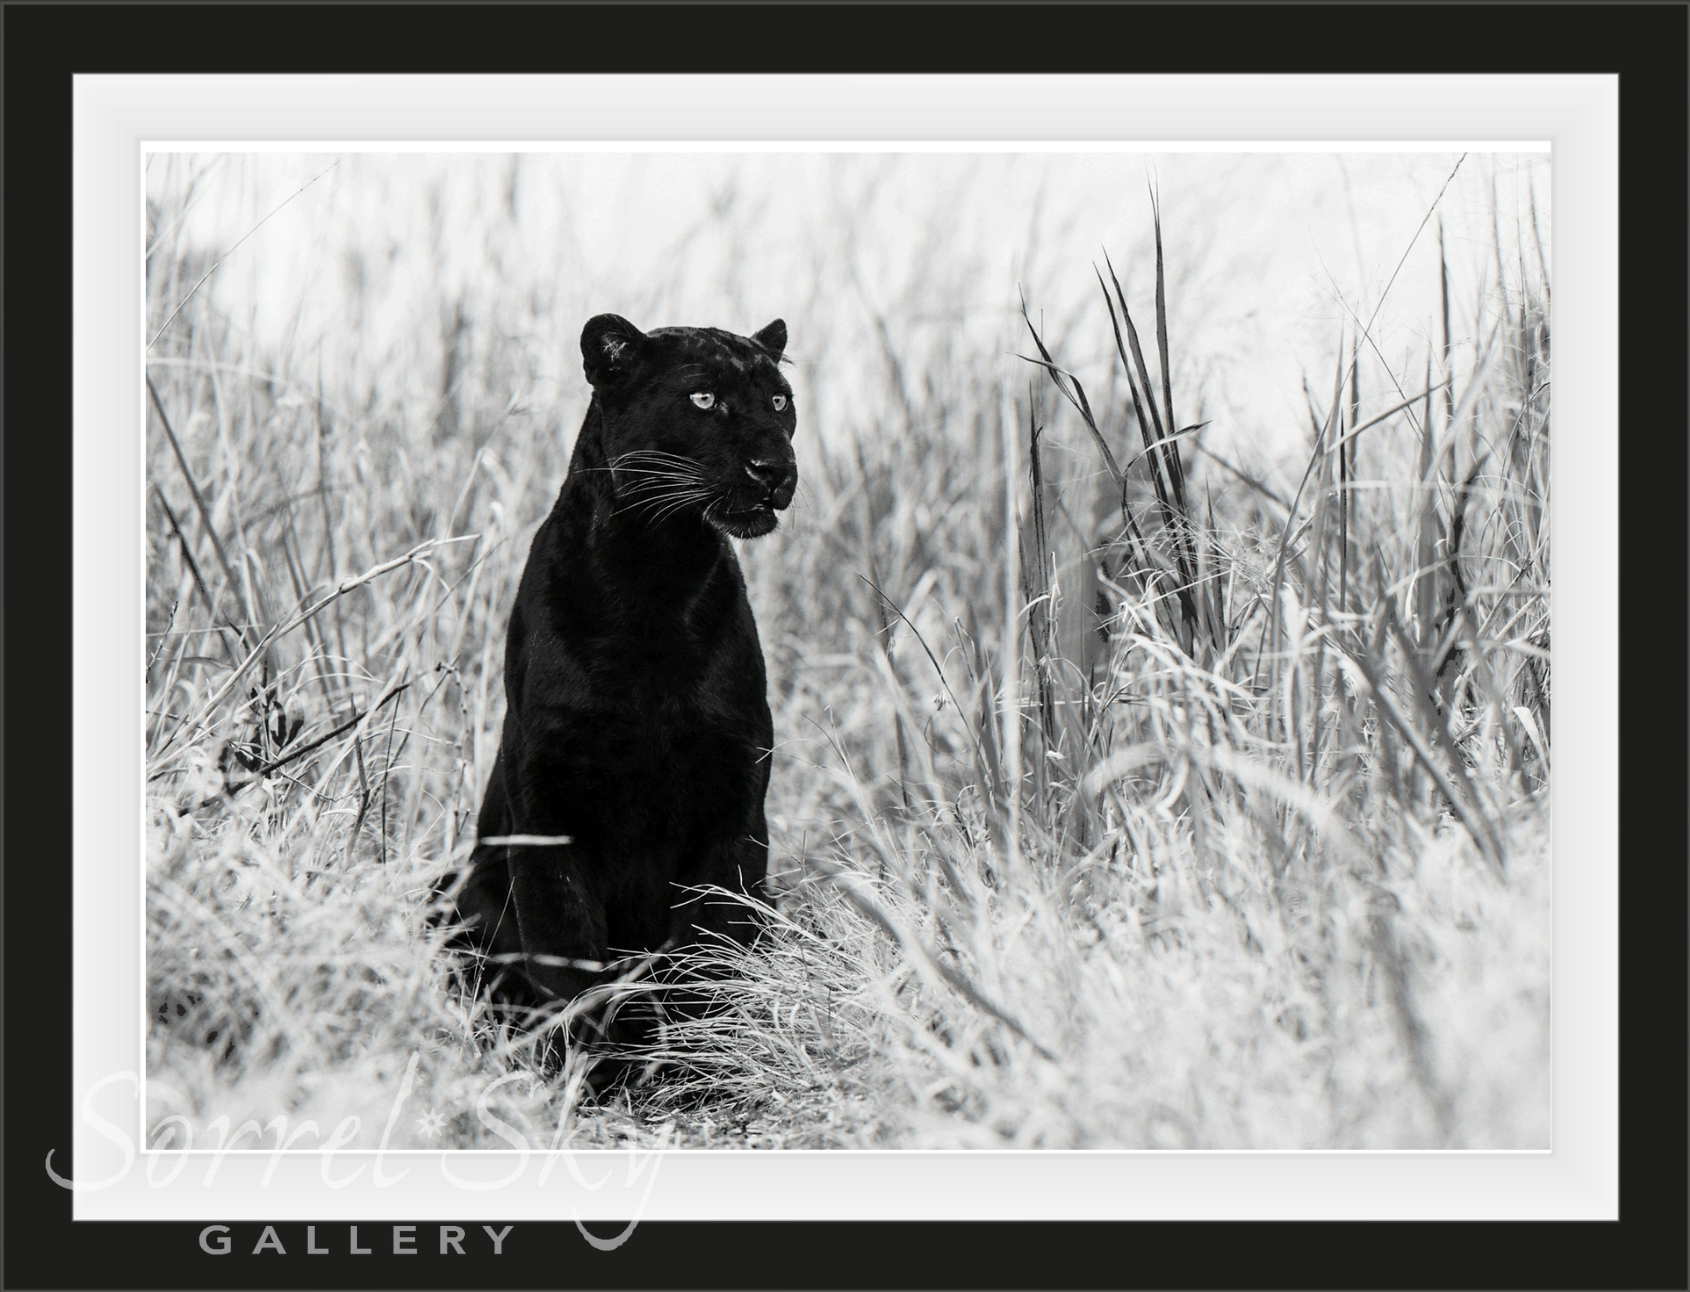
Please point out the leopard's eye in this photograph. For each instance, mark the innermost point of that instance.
(780, 403)
(704, 399)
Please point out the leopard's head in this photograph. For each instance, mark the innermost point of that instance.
(695, 421)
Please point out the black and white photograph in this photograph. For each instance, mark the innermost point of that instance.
(901, 648)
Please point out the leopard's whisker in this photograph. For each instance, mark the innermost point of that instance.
(635, 470)
(662, 504)
(653, 472)
(647, 503)
(652, 455)
(662, 493)
(647, 479)
(677, 504)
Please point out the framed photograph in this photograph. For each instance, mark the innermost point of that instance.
(697, 630)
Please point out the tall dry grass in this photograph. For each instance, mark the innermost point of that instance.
(1238, 839)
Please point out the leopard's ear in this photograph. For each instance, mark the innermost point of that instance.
(772, 338)
(610, 349)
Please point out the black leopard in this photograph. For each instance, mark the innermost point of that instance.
(637, 721)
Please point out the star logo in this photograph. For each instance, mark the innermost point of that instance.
(431, 1124)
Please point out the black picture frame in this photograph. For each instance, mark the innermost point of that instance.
(1644, 44)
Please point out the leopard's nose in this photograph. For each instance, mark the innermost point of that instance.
(777, 479)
